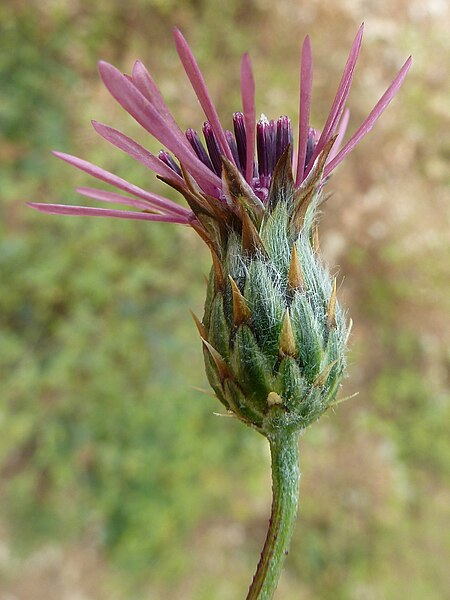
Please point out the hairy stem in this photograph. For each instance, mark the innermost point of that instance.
(285, 488)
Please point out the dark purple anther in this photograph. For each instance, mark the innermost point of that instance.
(284, 136)
(241, 138)
(273, 145)
(199, 149)
(310, 145)
(233, 147)
(213, 148)
(169, 161)
(266, 147)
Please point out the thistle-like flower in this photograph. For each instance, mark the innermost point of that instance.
(273, 332)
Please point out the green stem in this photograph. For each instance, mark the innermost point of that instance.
(285, 488)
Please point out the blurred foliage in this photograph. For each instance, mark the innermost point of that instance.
(116, 479)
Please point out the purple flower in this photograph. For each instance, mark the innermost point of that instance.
(195, 168)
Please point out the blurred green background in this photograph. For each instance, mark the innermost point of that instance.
(117, 480)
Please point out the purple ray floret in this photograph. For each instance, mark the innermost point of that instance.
(195, 170)
(340, 99)
(88, 211)
(248, 106)
(137, 105)
(340, 135)
(137, 151)
(147, 86)
(198, 83)
(105, 196)
(372, 118)
(120, 183)
(305, 107)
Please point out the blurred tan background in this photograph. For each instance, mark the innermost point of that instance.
(117, 481)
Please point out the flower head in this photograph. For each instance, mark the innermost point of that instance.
(274, 335)
(252, 148)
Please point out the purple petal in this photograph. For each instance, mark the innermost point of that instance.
(248, 106)
(340, 98)
(372, 118)
(120, 183)
(143, 111)
(148, 88)
(67, 209)
(305, 105)
(198, 83)
(105, 196)
(340, 135)
(136, 151)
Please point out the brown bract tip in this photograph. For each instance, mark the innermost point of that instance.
(287, 340)
(295, 275)
(239, 193)
(219, 276)
(322, 377)
(310, 186)
(316, 240)
(199, 325)
(251, 241)
(282, 187)
(331, 311)
(241, 311)
(220, 363)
